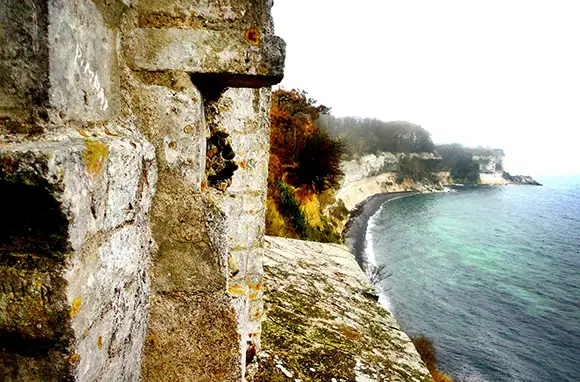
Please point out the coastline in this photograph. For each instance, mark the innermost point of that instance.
(354, 232)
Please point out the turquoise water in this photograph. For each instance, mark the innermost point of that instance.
(491, 275)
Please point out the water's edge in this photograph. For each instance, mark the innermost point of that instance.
(355, 230)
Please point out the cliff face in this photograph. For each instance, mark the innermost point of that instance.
(374, 174)
(323, 322)
(373, 165)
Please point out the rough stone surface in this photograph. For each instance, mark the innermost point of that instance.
(106, 276)
(74, 249)
(82, 56)
(58, 61)
(173, 119)
(194, 14)
(323, 323)
(23, 57)
(228, 55)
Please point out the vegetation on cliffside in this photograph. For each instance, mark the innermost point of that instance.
(362, 136)
(428, 354)
(307, 145)
(304, 168)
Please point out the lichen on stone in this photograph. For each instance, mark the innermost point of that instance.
(322, 327)
(95, 156)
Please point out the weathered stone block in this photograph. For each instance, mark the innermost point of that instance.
(245, 111)
(110, 284)
(252, 157)
(82, 53)
(193, 14)
(59, 58)
(173, 119)
(230, 58)
(244, 114)
(32, 305)
(192, 338)
(98, 180)
(74, 252)
(245, 223)
(23, 56)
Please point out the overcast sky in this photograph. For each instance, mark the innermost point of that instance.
(494, 73)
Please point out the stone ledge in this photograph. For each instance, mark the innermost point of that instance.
(235, 58)
(321, 326)
(97, 182)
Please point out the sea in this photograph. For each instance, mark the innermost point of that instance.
(490, 274)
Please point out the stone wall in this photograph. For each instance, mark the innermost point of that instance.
(133, 165)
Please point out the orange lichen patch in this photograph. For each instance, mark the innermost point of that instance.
(243, 164)
(100, 342)
(256, 314)
(75, 306)
(254, 295)
(253, 36)
(83, 133)
(95, 155)
(74, 359)
(111, 134)
(258, 286)
(237, 290)
(203, 186)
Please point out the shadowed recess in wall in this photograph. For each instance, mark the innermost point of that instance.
(32, 220)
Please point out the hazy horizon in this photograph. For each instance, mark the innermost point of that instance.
(497, 74)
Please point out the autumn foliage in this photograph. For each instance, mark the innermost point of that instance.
(304, 163)
(427, 352)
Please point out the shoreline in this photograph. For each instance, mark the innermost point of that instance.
(354, 232)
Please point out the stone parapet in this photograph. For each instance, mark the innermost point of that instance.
(74, 248)
(134, 138)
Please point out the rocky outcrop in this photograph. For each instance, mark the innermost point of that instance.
(323, 322)
(520, 179)
(490, 163)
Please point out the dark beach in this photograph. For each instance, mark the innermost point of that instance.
(354, 232)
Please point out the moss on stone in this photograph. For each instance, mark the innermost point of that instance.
(321, 325)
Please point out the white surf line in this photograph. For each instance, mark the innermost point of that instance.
(370, 258)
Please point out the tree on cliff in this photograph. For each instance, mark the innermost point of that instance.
(304, 162)
(369, 136)
(300, 152)
(459, 161)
